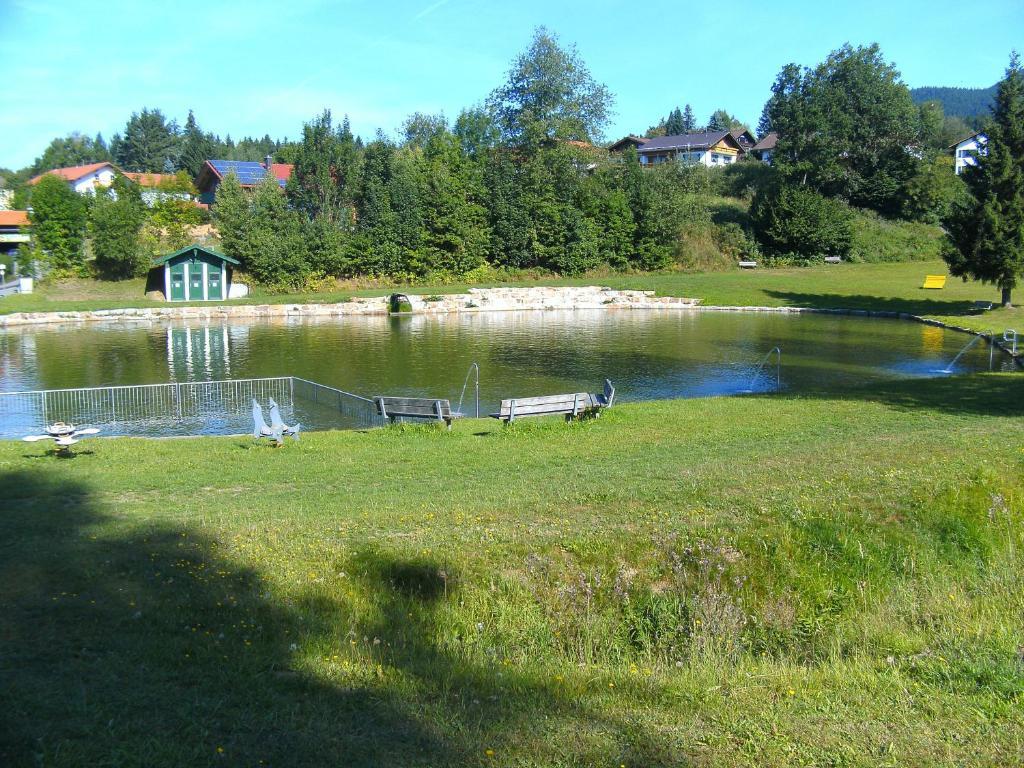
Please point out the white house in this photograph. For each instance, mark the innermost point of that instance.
(966, 151)
(84, 179)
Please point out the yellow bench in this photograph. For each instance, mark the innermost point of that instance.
(934, 281)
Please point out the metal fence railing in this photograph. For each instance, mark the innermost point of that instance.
(361, 410)
(182, 408)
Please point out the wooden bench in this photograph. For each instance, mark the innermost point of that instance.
(432, 409)
(934, 281)
(573, 405)
(748, 265)
(833, 259)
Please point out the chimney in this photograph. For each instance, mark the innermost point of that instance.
(267, 162)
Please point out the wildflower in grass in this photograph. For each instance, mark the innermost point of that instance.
(489, 752)
(791, 692)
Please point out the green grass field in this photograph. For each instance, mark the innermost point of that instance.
(748, 581)
(893, 287)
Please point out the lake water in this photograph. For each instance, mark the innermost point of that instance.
(647, 354)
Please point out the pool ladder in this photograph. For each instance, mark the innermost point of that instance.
(472, 368)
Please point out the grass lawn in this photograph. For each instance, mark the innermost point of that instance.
(751, 581)
(893, 287)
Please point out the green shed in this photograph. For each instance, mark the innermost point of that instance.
(195, 273)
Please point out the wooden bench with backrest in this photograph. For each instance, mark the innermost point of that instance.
(573, 405)
(428, 408)
(935, 282)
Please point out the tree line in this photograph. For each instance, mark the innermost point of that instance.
(520, 181)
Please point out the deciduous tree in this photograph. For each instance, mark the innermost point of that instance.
(115, 222)
(59, 217)
(549, 95)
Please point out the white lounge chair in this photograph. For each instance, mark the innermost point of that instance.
(277, 423)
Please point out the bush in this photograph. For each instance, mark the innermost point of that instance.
(798, 222)
(743, 179)
(929, 193)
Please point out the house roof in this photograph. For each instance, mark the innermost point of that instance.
(14, 219)
(148, 179)
(980, 136)
(768, 141)
(619, 145)
(249, 172)
(743, 137)
(283, 171)
(74, 173)
(687, 141)
(193, 250)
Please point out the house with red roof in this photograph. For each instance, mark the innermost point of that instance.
(13, 230)
(250, 174)
(84, 179)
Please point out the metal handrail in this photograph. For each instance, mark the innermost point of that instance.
(472, 367)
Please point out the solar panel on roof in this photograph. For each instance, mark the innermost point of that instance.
(249, 172)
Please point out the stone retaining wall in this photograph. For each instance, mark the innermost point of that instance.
(476, 300)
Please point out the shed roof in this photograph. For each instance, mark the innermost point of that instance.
(194, 250)
(689, 141)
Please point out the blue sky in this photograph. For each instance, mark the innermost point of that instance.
(265, 67)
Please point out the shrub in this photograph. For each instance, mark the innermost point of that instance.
(797, 221)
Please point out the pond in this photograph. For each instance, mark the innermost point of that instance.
(648, 354)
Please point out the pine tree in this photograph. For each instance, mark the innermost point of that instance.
(231, 215)
(689, 121)
(148, 141)
(764, 125)
(986, 229)
(674, 125)
(323, 182)
(722, 121)
(455, 227)
(196, 148)
(507, 215)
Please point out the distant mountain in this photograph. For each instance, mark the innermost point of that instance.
(968, 103)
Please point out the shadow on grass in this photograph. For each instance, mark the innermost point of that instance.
(927, 304)
(131, 644)
(975, 394)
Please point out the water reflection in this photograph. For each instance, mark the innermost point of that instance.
(648, 354)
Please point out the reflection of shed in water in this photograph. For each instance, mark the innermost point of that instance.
(195, 354)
